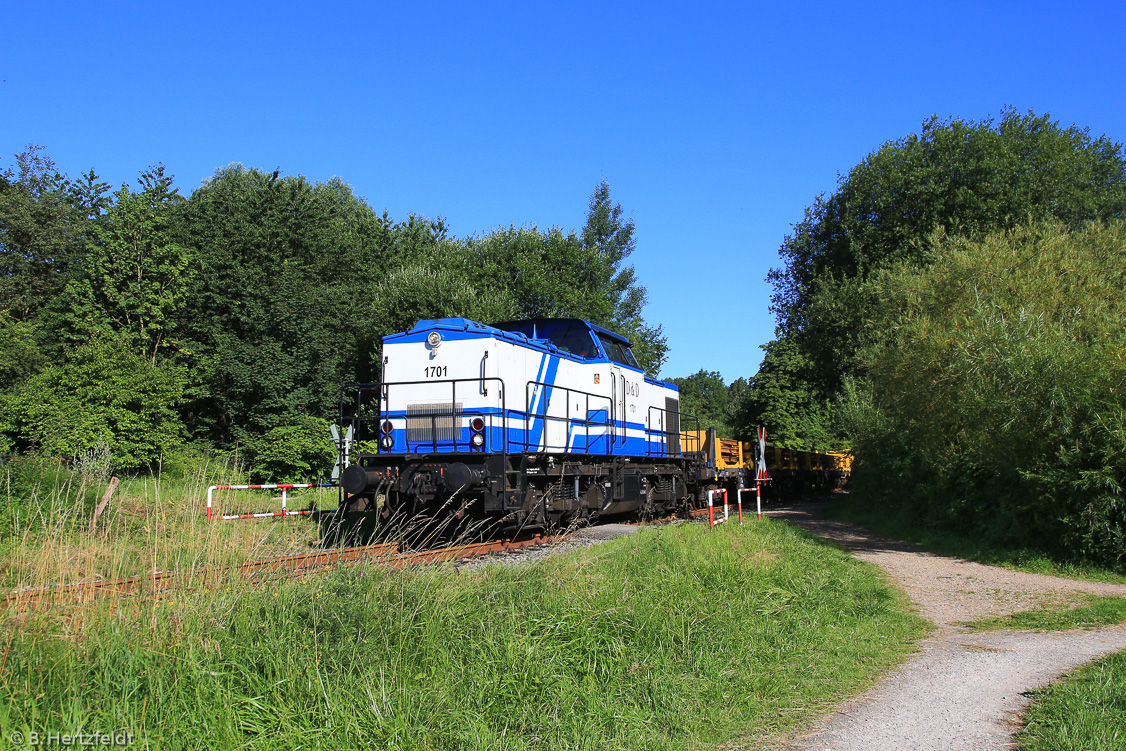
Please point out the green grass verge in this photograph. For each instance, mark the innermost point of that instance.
(675, 637)
(1086, 711)
(886, 522)
(1099, 611)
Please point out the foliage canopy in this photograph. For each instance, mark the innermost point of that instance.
(231, 317)
(993, 401)
(958, 177)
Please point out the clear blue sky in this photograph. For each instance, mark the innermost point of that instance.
(715, 124)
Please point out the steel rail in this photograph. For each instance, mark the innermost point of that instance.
(390, 554)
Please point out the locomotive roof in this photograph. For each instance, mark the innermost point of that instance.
(475, 329)
(550, 323)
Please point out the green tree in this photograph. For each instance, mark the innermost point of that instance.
(20, 354)
(441, 284)
(992, 401)
(103, 393)
(282, 311)
(135, 278)
(610, 237)
(45, 220)
(566, 274)
(958, 177)
(780, 398)
(704, 395)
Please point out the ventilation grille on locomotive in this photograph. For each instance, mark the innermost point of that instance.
(672, 425)
(430, 423)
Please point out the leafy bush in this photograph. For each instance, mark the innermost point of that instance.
(101, 394)
(294, 453)
(993, 398)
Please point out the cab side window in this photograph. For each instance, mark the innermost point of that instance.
(574, 339)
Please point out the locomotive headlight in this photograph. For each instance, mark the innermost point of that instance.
(433, 339)
(387, 442)
(477, 425)
(387, 427)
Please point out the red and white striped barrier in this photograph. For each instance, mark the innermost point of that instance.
(285, 488)
(711, 507)
(739, 498)
(760, 473)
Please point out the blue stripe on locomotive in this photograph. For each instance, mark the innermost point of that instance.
(526, 432)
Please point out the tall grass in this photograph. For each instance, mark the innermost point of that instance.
(154, 523)
(675, 637)
(1082, 712)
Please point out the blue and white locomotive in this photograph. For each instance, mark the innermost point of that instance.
(522, 424)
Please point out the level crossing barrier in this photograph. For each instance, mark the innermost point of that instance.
(726, 511)
(283, 487)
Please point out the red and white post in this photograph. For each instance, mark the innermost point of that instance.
(711, 507)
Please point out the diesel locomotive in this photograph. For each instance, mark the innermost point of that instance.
(518, 425)
(523, 424)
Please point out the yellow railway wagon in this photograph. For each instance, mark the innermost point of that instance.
(732, 462)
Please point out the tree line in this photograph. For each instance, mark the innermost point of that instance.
(142, 321)
(954, 312)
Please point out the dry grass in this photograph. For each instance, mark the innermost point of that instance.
(152, 524)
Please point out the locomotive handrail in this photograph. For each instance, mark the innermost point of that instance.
(583, 422)
(382, 391)
(679, 432)
(383, 388)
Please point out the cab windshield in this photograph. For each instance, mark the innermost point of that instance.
(616, 351)
(573, 338)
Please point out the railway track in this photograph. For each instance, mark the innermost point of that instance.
(389, 554)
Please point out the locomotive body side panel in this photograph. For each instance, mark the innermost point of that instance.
(532, 396)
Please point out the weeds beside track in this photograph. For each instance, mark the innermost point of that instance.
(387, 554)
(670, 638)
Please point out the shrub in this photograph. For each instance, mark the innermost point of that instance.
(293, 453)
(101, 394)
(993, 398)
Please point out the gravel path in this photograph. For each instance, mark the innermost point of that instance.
(962, 691)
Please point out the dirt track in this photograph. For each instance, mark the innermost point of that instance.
(962, 691)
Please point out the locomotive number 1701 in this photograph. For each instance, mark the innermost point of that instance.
(436, 371)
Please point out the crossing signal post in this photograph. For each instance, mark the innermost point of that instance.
(760, 470)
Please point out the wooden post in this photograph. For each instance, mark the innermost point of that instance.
(113, 481)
